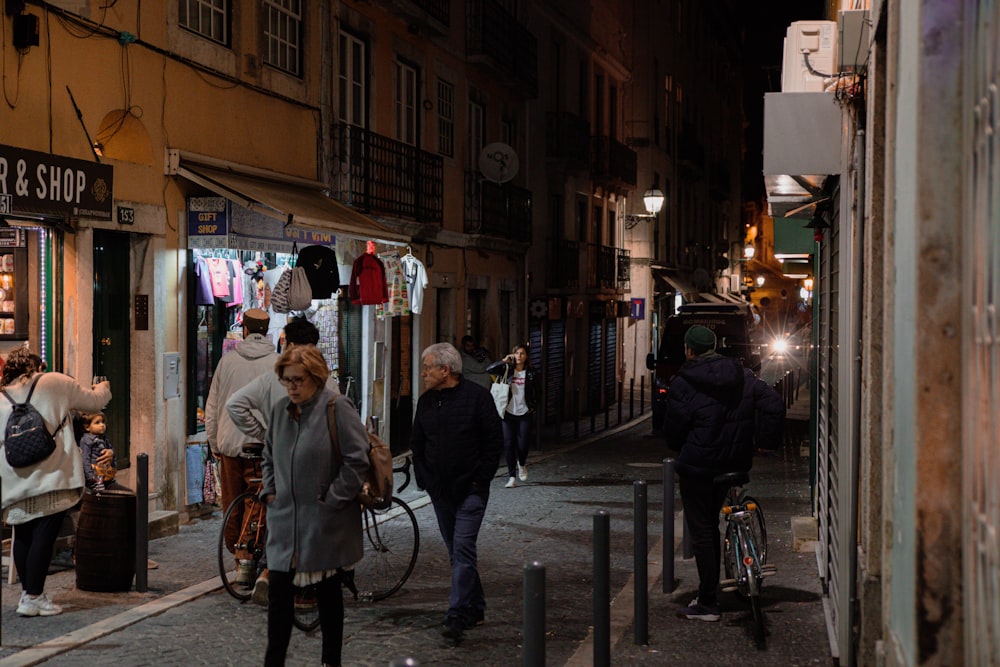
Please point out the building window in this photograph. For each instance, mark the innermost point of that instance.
(477, 131)
(446, 118)
(351, 77)
(208, 18)
(406, 103)
(283, 34)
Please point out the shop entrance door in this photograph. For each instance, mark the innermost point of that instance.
(112, 348)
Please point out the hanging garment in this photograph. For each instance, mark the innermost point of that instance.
(320, 264)
(235, 283)
(218, 269)
(399, 300)
(367, 285)
(203, 284)
(416, 281)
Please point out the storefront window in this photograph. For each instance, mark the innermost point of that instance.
(31, 273)
(223, 284)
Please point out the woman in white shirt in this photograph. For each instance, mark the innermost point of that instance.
(517, 417)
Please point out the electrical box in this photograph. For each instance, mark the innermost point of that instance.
(171, 375)
(852, 39)
(25, 31)
(810, 56)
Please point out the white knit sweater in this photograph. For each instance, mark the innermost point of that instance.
(55, 396)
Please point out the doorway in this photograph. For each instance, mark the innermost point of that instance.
(112, 334)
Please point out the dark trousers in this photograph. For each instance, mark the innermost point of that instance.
(702, 505)
(459, 522)
(34, 542)
(515, 440)
(281, 607)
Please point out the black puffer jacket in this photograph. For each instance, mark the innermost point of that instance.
(716, 411)
(457, 441)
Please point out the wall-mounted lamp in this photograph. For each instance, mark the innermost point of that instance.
(652, 199)
(760, 281)
(749, 251)
(819, 224)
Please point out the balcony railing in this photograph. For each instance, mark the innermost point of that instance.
(613, 162)
(495, 37)
(497, 209)
(567, 137)
(377, 174)
(564, 264)
(433, 14)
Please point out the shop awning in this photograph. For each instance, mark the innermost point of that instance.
(296, 202)
(673, 280)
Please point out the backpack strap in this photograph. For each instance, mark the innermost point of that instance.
(331, 420)
(27, 399)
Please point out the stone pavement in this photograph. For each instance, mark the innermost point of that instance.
(187, 619)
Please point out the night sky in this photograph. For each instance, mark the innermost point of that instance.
(765, 24)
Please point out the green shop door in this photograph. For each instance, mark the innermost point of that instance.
(112, 349)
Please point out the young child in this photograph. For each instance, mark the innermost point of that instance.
(100, 474)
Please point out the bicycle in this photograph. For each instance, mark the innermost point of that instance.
(745, 552)
(392, 542)
(247, 518)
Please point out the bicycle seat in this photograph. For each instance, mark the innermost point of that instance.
(731, 479)
(253, 450)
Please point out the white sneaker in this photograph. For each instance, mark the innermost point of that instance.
(522, 472)
(37, 606)
(26, 606)
(511, 483)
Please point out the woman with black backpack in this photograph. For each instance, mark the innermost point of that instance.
(37, 493)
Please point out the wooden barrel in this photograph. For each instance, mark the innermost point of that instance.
(105, 542)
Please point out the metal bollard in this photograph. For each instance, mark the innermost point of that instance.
(642, 395)
(639, 551)
(607, 413)
(602, 589)
(576, 413)
(621, 397)
(534, 615)
(669, 468)
(631, 399)
(141, 523)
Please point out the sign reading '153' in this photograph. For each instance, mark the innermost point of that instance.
(44, 183)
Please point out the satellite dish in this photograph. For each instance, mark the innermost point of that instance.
(498, 162)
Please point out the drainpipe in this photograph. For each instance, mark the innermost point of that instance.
(857, 303)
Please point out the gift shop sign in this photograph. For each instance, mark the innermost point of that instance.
(43, 183)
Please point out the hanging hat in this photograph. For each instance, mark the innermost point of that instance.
(256, 321)
(320, 265)
(700, 339)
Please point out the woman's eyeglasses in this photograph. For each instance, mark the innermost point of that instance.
(293, 381)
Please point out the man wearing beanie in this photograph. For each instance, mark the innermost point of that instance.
(717, 413)
(253, 356)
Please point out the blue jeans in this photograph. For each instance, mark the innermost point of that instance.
(459, 522)
(515, 440)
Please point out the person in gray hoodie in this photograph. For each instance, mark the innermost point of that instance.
(253, 356)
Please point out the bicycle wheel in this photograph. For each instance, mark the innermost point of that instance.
(392, 540)
(759, 529)
(250, 527)
(306, 616)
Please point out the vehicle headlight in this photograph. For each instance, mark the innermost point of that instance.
(779, 345)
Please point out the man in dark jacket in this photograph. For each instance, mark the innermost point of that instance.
(456, 443)
(715, 410)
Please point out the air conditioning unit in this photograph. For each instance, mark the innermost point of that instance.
(810, 56)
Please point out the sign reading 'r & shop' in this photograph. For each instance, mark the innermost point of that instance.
(33, 182)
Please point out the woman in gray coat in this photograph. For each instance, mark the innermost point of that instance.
(313, 517)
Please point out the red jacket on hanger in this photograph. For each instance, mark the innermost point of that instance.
(367, 285)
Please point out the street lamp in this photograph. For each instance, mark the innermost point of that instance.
(760, 281)
(652, 199)
(748, 251)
